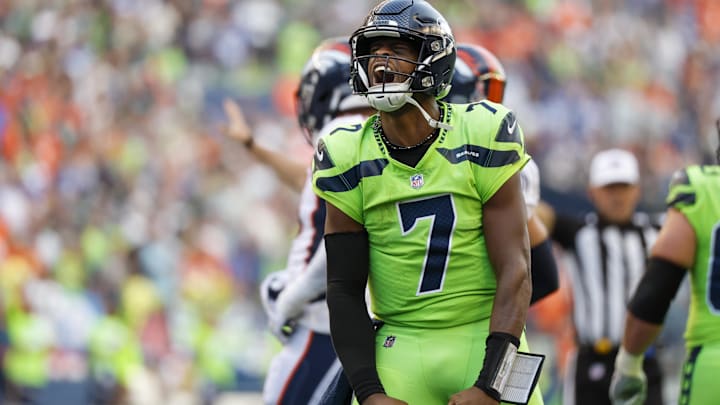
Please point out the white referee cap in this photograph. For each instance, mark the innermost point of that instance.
(614, 166)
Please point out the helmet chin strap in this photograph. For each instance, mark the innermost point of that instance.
(430, 120)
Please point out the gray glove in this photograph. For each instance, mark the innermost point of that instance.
(628, 390)
(629, 384)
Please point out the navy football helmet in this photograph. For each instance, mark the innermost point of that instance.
(478, 75)
(324, 90)
(419, 23)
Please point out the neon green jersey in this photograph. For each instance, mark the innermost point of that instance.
(429, 265)
(695, 191)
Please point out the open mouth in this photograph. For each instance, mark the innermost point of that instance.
(381, 75)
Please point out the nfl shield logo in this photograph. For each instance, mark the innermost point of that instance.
(417, 181)
(389, 341)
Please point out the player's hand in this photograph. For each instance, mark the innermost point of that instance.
(288, 308)
(629, 384)
(237, 127)
(472, 396)
(382, 399)
(282, 328)
(628, 389)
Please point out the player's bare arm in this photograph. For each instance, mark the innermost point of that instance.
(676, 243)
(293, 173)
(671, 255)
(508, 248)
(337, 221)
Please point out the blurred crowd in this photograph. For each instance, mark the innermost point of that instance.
(133, 235)
(587, 75)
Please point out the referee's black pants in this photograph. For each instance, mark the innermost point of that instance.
(590, 373)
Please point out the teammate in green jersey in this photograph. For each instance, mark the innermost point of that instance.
(689, 240)
(424, 203)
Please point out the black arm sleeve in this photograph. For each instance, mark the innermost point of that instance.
(350, 326)
(544, 271)
(656, 290)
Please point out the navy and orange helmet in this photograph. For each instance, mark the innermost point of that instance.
(324, 90)
(478, 75)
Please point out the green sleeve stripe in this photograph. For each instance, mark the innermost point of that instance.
(479, 155)
(351, 178)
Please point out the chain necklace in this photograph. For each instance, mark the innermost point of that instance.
(377, 128)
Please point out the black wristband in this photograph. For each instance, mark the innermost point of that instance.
(496, 357)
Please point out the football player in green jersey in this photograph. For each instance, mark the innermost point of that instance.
(423, 204)
(689, 241)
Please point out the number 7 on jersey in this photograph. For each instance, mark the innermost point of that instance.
(440, 210)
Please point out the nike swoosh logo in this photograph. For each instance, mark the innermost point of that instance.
(511, 128)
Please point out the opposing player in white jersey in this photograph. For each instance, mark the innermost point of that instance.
(294, 298)
(479, 75)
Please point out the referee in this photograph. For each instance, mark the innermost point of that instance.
(607, 252)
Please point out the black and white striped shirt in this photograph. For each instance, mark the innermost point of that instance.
(605, 263)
